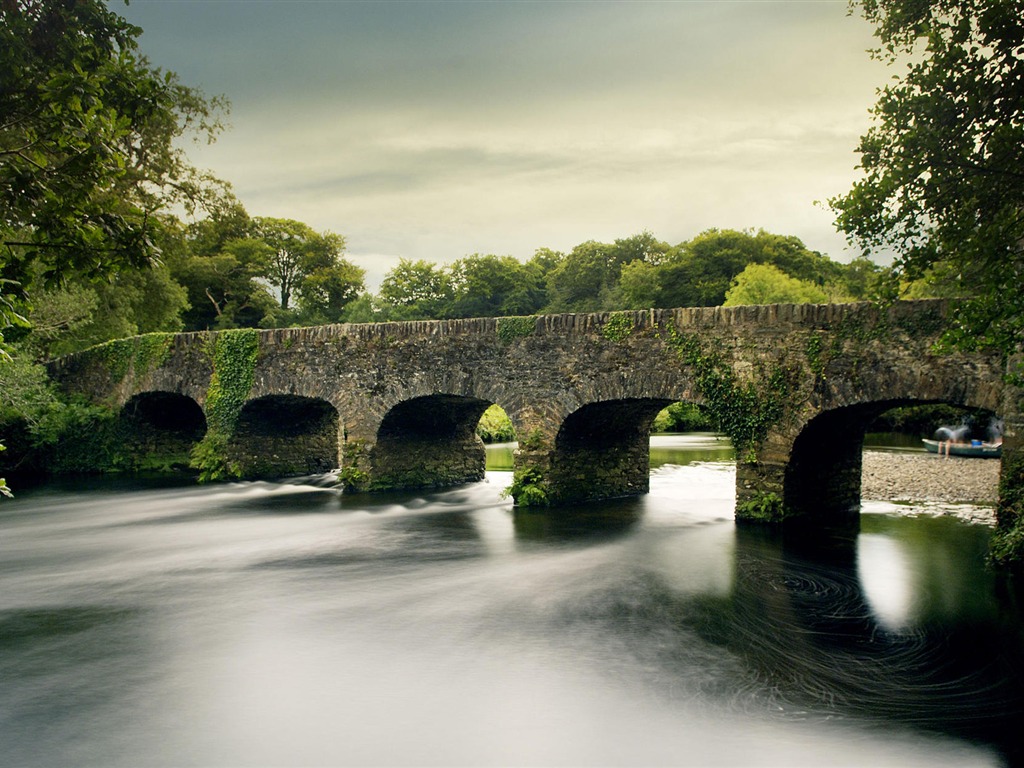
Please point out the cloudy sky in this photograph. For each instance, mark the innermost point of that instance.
(433, 130)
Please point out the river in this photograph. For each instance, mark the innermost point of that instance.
(156, 623)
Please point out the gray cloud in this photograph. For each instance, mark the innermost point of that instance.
(436, 129)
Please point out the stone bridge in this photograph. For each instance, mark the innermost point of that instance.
(395, 405)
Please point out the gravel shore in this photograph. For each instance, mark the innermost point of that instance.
(925, 477)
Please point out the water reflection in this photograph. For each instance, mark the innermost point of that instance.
(871, 639)
(693, 447)
(255, 624)
(885, 574)
(676, 450)
(596, 522)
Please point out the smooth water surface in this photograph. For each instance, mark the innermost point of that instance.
(285, 624)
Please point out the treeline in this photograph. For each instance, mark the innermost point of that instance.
(230, 270)
(637, 272)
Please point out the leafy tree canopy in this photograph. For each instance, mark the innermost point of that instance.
(88, 159)
(767, 284)
(88, 150)
(700, 271)
(575, 285)
(587, 279)
(294, 250)
(490, 286)
(943, 162)
(415, 290)
(219, 263)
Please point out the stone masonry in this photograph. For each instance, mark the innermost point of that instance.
(395, 404)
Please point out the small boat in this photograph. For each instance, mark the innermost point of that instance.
(975, 448)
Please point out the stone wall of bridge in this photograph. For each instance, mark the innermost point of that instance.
(398, 402)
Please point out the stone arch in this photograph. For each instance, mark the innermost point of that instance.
(429, 441)
(161, 428)
(602, 450)
(285, 435)
(823, 474)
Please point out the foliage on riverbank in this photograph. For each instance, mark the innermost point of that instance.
(49, 433)
(1008, 541)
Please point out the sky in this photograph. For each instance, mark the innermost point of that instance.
(436, 130)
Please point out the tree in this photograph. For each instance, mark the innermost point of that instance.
(288, 242)
(643, 247)
(88, 141)
(493, 286)
(767, 284)
(540, 266)
(415, 290)
(219, 262)
(327, 291)
(700, 271)
(860, 278)
(587, 279)
(224, 288)
(308, 264)
(638, 285)
(79, 315)
(943, 186)
(88, 147)
(576, 283)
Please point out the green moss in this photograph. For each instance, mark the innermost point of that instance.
(532, 441)
(151, 351)
(618, 327)
(352, 477)
(234, 355)
(139, 354)
(815, 360)
(234, 359)
(418, 478)
(210, 457)
(744, 411)
(117, 356)
(512, 328)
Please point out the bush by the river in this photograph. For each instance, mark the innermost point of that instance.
(682, 417)
(495, 426)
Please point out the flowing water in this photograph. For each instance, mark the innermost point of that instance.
(285, 624)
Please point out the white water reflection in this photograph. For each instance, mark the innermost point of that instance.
(887, 580)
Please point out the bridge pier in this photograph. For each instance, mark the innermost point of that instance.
(600, 451)
(284, 435)
(1008, 542)
(813, 475)
(425, 442)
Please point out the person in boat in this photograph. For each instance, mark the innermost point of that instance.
(948, 437)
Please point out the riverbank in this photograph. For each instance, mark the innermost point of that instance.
(925, 477)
